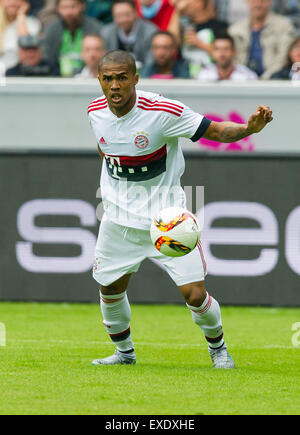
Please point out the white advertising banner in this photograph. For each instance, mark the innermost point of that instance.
(51, 113)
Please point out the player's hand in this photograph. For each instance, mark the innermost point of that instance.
(260, 119)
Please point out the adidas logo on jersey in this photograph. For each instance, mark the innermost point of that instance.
(102, 141)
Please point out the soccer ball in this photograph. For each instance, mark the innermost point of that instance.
(175, 232)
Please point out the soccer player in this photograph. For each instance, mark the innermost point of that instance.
(137, 134)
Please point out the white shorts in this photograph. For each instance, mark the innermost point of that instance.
(121, 250)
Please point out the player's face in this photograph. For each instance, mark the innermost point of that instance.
(118, 84)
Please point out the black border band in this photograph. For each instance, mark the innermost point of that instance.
(205, 123)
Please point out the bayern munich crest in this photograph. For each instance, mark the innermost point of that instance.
(141, 141)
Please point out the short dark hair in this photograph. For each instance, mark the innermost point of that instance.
(225, 36)
(130, 2)
(118, 56)
(166, 33)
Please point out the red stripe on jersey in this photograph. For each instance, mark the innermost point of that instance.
(97, 108)
(101, 100)
(164, 102)
(160, 109)
(97, 103)
(161, 105)
(141, 160)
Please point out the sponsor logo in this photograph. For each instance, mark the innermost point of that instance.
(265, 236)
(102, 141)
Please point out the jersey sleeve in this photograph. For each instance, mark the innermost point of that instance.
(182, 121)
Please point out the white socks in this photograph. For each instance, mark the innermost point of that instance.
(208, 317)
(116, 319)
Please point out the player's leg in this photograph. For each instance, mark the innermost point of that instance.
(117, 256)
(206, 313)
(188, 273)
(116, 316)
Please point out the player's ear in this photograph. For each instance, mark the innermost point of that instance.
(136, 79)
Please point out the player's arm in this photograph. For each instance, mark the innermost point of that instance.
(228, 132)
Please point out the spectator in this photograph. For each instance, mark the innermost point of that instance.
(14, 23)
(35, 6)
(224, 68)
(30, 59)
(289, 8)
(48, 13)
(200, 29)
(287, 72)
(296, 73)
(63, 37)
(166, 65)
(93, 50)
(262, 39)
(160, 12)
(231, 11)
(129, 33)
(100, 9)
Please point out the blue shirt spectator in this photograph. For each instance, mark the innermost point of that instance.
(255, 61)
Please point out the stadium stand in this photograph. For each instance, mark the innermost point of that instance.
(263, 31)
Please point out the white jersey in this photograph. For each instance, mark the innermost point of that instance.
(143, 162)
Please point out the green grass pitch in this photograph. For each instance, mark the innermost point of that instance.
(45, 367)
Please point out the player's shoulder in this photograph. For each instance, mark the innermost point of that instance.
(97, 105)
(158, 103)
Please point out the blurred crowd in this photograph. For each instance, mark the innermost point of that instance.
(208, 40)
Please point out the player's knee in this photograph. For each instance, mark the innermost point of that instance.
(116, 287)
(195, 293)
